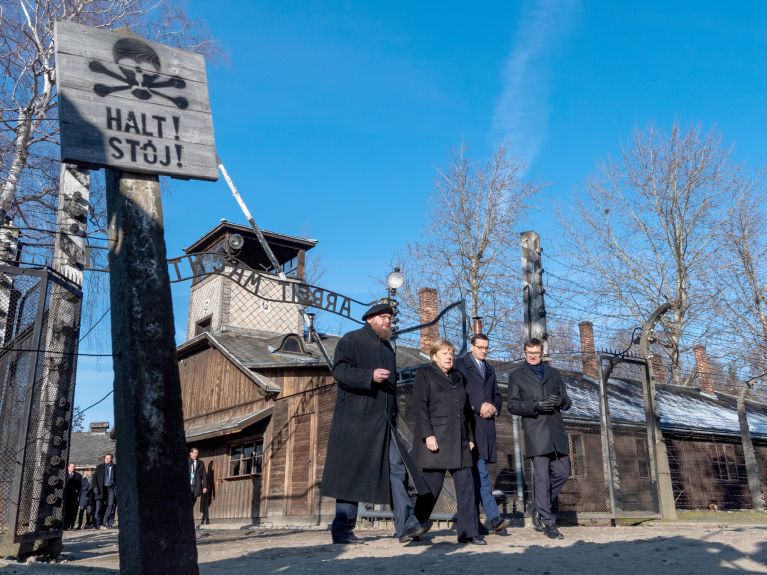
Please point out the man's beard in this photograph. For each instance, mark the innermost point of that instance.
(382, 332)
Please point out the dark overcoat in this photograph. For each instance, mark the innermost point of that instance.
(72, 489)
(441, 409)
(481, 390)
(86, 494)
(99, 492)
(200, 480)
(357, 461)
(544, 432)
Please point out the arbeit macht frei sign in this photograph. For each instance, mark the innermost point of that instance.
(133, 105)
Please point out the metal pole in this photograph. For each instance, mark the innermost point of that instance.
(605, 423)
(251, 221)
(520, 475)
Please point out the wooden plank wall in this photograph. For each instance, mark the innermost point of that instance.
(297, 443)
(229, 499)
(697, 481)
(214, 389)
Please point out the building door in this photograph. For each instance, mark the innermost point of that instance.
(301, 472)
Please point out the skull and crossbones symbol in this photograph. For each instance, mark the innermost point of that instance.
(138, 63)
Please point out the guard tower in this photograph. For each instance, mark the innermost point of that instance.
(217, 301)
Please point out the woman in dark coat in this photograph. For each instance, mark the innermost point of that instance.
(444, 439)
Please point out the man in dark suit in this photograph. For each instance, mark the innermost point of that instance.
(538, 394)
(485, 400)
(71, 496)
(104, 484)
(198, 479)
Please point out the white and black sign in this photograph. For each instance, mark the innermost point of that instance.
(131, 104)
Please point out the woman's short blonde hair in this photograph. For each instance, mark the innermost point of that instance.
(439, 345)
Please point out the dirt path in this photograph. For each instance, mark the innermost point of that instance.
(653, 550)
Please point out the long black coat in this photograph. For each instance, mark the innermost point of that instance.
(98, 480)
(544, 432)
(441, 409)
(86, 494)
(200, 481)
(480, 390)
(357, 462)
(72, 489)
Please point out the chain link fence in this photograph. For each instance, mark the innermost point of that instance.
(40, 314)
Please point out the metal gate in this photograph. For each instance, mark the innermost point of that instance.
(627, 424)
(39, 331)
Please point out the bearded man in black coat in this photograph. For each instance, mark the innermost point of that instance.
(537, 393)
(366, 460)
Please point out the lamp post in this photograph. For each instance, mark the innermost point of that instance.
(394, 281)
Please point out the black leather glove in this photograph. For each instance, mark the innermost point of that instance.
(544, 406)
(556, 399)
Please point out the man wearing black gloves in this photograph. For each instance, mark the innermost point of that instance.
(537, 393)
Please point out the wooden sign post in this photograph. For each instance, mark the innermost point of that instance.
(140, 109)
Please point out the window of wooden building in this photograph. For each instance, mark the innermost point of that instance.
(724, 462)
(642, 457)
(246, 458)
(203, 325)
(577, 455)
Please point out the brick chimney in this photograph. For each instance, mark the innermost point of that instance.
(476, 326)
(705, 381)
(427, 311)
(588, 351)
(99, 426)
(658, 369)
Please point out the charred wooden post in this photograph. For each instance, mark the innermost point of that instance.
(156, 524)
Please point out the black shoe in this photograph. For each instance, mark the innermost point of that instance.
(405, 539)
(473, 541)
(537, 521)
(356, 540)
(552, 532)
(499, 523)
(426, 527)
(349, 540)
(415, 530)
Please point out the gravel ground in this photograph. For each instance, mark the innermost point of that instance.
(699, 549)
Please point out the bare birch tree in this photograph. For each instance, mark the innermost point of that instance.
(745, 312)
(470, 243)
(646, 233)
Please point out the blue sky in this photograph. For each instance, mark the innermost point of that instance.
(332, 117)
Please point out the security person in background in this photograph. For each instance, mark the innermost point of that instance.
(537, 393)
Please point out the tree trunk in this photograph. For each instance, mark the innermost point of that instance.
(21, 148)
(752, 468)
